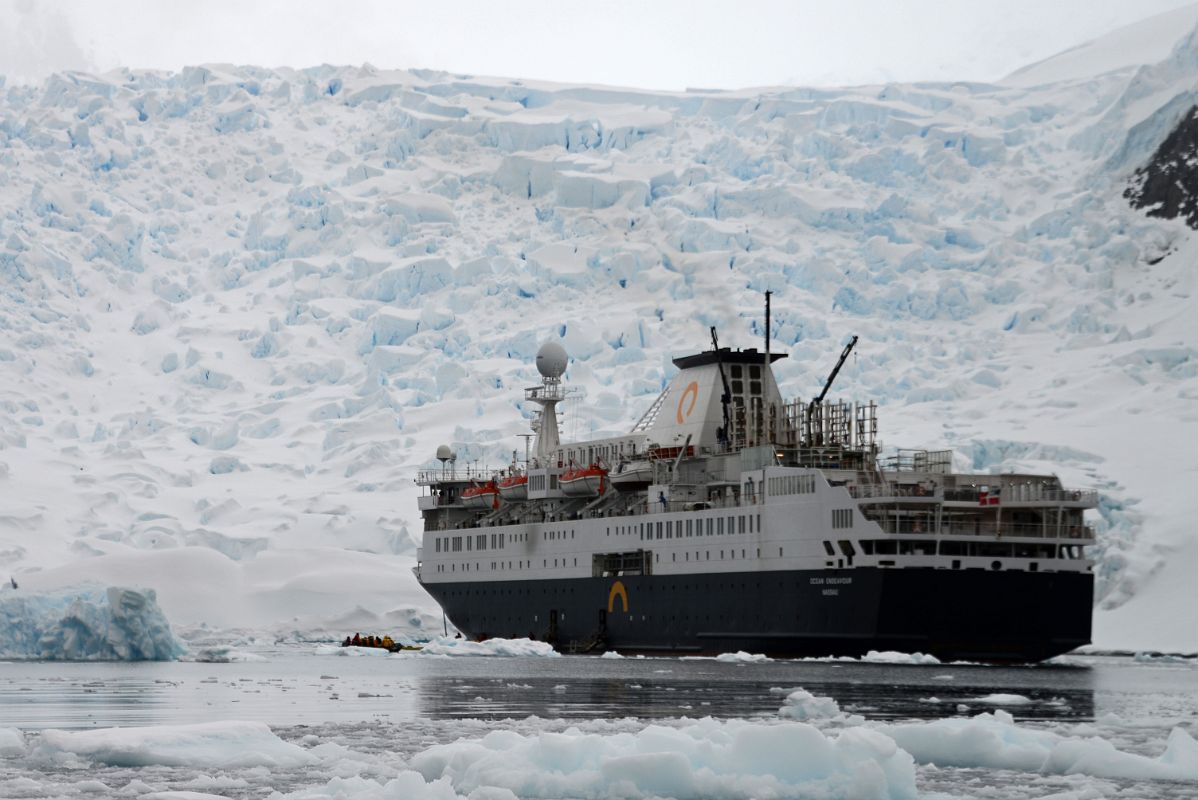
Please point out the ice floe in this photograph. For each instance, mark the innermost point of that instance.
(209, 744)
(995, 741)
(446, 646)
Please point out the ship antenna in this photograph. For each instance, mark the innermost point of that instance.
(767, 326)
(726, 397)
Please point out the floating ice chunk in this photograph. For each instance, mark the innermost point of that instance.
(12, 743)
(994, 741)
(445, 646)
(804, 706)
(226, 654)
(1002, 700)
(338, 650)
(708, 759)
(86, 625)
(894, 657)
(210, 744)
(739, 657)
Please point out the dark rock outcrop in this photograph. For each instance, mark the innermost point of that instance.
(1167, 186)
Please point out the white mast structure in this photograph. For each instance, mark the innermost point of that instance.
(551, 363)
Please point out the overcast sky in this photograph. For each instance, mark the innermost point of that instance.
(658, 44)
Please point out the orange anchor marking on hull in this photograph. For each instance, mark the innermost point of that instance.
(617, 590)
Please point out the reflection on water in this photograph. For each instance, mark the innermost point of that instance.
(296, 687)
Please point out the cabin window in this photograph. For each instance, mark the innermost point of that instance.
(669, 530)
(688, 528)
(659, 530)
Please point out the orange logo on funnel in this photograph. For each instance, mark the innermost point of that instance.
(691, 391)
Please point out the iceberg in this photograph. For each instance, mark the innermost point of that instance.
(113, 624)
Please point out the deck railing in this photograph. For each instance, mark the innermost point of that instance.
(885, 490)
(1023, 493)
(926, 527)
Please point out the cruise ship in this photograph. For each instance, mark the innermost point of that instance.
(730, 519)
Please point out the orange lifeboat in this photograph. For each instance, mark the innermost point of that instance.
(514, 487)
(482, 495)
(584, 481)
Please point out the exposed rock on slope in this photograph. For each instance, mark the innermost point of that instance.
(1167, 186)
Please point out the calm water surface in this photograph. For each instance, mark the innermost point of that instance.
(295, 686)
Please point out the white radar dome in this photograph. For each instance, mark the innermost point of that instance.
(444, 453)
(551, 360)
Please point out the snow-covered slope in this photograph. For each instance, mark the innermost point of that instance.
(239, 307)
(1145, 42)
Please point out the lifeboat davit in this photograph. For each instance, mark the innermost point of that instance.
(583, 481)
(482, 495)
(514, 487)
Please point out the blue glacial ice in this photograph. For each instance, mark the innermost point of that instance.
(93, 624)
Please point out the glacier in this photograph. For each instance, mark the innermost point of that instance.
(240, 307)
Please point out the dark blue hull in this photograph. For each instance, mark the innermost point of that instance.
(952, 614)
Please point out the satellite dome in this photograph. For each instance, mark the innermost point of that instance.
(551, 360)
(444, 453)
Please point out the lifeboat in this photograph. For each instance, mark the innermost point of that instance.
(481, 495)
(631, 476)
(514, 487)
(583, 481)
